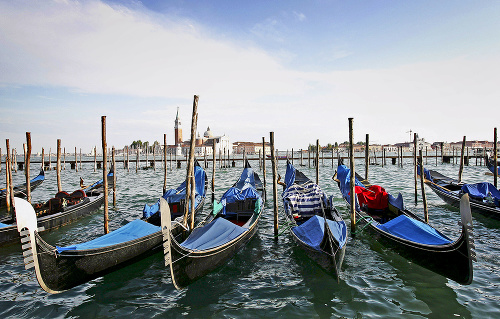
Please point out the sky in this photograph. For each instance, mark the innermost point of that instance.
(299, 69)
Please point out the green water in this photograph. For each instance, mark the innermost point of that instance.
(270, 277)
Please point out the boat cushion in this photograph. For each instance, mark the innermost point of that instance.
(215, 234)
(374, 197)
(303, 199)
(133, 230)
(414, 230)
(311, 232)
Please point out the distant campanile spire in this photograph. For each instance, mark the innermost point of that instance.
(178, 129)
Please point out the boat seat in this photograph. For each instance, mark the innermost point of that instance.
(62, 194)
(246, 205)
(78, 194)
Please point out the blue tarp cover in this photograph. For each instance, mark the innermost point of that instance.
(414, 230)
(2, 225)
(311, 232)
(212, 235)
(244, 188)
(344, 176)
(481, 190)
(133, 230)
(175, 195)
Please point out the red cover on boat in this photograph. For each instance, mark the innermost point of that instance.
(374, 197)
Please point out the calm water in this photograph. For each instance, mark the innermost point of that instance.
(270, 277)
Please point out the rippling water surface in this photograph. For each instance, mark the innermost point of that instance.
(270, 277)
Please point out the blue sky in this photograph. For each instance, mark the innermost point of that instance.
(298, 68)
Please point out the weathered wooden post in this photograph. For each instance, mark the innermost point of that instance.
(264, 165)
(0, 159)
(76, 161)
(190, 183)
(415, 164)
(43, 159)
(128, 162)
(154, 157)
(8, 180)
(14, 160)
(58, 166)
(367, 155)
(137, 160)
(214, 163)
(317, 162)
(353, 174)
(424, 199)
(27, 166)
(495, 158)
(301, 157)
(292, 156)
(164, 163)
(95, 158)
(275, 183)
(113, 165)
(80, 158)
(462, 154)
(104, 172)
(332, 157)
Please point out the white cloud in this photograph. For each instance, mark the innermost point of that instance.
(244, 91)
(98, 48)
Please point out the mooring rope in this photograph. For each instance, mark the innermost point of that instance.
(369, 221)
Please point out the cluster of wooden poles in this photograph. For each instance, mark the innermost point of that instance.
(190, 179)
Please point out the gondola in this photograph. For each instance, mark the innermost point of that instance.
(62, 209)
(220, 235)
(484, 197)
(61, 268)
(407, 234)
(491, 166)
(20, 190)
(316, 225)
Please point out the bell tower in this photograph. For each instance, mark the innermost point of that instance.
(178, 129)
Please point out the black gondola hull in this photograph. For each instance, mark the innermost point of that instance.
(200, 263)
(10, 234)
(454, 200)
(450, 261)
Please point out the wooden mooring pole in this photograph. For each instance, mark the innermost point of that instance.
(27, 166)
(164, 163)
(275, 183)
(58, 166)
(367, 155)
(104, 173)
(495, 157)
(113, 165)
(353, 174)
(415, 164)
(462, 154)
(264, 165)
(214, 163)
(424, 199)
(316, 160)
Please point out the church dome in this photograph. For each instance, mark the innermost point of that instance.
(208, 133)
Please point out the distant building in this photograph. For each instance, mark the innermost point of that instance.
(250, 148)
(203, 145)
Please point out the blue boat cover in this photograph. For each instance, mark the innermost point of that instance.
(244, 188)
(311, 232)
(215, 234)
(133, 230)
(2, 225)
(414, 230)
(344, 176)
(482, 191)
(175, 195)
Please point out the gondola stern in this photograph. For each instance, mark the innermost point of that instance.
(166, 227)
(467, 229)
(27, 227)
